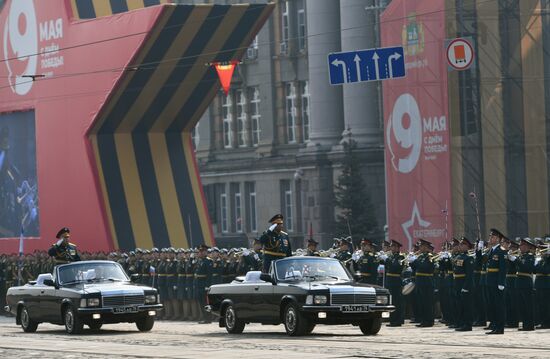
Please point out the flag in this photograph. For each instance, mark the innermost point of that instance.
(225, 73)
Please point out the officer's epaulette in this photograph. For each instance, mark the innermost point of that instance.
(283, 232)
(210, 259)
(370, 254)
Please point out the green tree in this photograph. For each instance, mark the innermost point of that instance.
(351, 196)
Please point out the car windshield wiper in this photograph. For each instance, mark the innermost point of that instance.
(72, 282)
(316, 276)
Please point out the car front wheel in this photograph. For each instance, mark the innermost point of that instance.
(233, 325)
(73, 323)
(145, 324)
(28, 325)
(295, 323)
(371, 326)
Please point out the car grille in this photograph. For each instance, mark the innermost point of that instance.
(123, 300)
(337, 299)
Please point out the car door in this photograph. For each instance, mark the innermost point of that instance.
(262, 301)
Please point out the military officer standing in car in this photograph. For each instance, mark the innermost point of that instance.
(63, 250)
(275, 242)
(312, 248)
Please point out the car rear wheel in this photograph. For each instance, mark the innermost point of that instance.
(295, 323)
(371, 326)
(145, 324)
(95, 326)
(73, 323)
(233, 325)
(28, 325)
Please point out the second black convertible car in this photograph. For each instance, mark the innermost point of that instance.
(300, 292)
(87, 292)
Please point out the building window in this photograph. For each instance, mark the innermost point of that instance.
(305, 110)
(250, 192)
(286, 192)
(285, 26)
(223, 211)
(302, 29)
(252, 51)
(241, 118)
(238, 213)
(227, 116)
(290, 97)
(255, 115)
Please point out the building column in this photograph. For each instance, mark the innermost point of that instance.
(359, 30)
(323, 29)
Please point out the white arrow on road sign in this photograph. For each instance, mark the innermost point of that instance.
(344, 68)
(357, 60)
(375, 57)
(391, 58)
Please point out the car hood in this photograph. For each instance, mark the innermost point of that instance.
(108, 288)
(340, 287)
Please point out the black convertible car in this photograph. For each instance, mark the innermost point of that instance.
(300, 292)
(87, 292)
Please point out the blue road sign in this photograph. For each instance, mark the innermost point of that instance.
(366, 65)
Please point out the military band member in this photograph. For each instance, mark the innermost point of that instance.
(446, 295)
(480, 274)
(394, 265)
(275, 242)
(496, 283)
(525, 265)
(510, 297)
(463, 274)
(367, 264)
(63, 250)
(312, 248)
(424, 267)
(542, 287)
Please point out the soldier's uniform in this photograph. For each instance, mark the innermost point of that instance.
(463, 274)
(162, 275)
(510, 299)
(496, 284)
(181, 287)
(480, 314)
(445, 265)
(217, 269)
(525, 265)
(394, 267)
(542, 289)
(424, 267)
(64, 252)
(368, 267)
(202, 280)
(276, 244)
(312, 248)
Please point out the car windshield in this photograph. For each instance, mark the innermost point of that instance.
(91, 272)
(310, 269)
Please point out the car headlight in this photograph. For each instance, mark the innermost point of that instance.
(150, 298)
(382, 299)
(90, 302)
(320, 299)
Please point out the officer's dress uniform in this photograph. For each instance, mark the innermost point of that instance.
(394, 267)
(202, 280)
(367, 265)
(171, 283)
(275, 246)
(542, 288)
(511, 294)
(480, 315)
(162, 274)
(181, 289)
(445, 287)
(217, 271)
(424, 268)
(64, 253)
(524, 289)
(496, 275)
(463, 274)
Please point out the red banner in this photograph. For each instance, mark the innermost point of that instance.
(416, 124)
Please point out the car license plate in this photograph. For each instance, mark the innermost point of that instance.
(122, 310)
(361, 308)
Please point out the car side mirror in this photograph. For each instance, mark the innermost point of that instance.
(135, 277)
(267, 278)
(49, 282)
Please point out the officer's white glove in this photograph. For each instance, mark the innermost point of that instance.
(272, 227)
(411, 258)
(480, 245)
(175, 287)
(512, 258)
(332, 255)
(246, 252)
(537, 261)
(355, 257)
(464, 290)
(383, 257)
(59, 242)
(500, 287)
(256, 256)
(408, 269)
